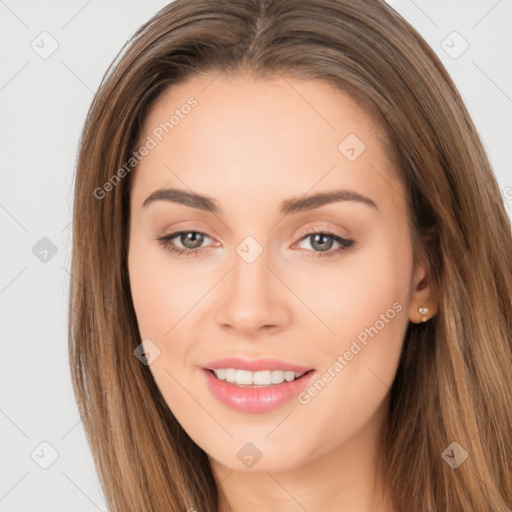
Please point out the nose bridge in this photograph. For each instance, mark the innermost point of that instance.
(251, 277)
(250, 298)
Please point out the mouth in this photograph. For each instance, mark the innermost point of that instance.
(255, 386)
(256, 379)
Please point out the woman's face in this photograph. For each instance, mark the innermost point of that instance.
(276, 276)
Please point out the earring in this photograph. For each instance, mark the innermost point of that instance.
(423, 311)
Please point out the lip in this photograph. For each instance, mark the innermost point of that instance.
(255, 399)
(255, 365)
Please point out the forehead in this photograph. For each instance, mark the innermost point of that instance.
(279, 136)
(246, 99)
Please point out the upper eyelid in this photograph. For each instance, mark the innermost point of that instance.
(303, 234)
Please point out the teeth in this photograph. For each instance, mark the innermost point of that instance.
(221, 373)
(260, 378)
(230, 375)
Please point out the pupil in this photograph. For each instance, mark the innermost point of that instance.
(322, 246)
(194, 238)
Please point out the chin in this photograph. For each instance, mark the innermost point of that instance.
(257, 456)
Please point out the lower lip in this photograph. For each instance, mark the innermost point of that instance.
(261, 399)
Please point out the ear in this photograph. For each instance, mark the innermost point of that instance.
(424, 304)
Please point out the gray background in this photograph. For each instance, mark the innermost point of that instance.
(43, 102)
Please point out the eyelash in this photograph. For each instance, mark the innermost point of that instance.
(344, 242)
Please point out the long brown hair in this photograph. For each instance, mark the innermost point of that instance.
(454, 379)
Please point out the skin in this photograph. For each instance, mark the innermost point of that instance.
(250, 144)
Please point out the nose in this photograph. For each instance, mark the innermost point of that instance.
(252, 300)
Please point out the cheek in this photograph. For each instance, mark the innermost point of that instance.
(361, 289)
(375, 314)
(359, 364)
(369, 317)
(149, 290)
(163, 296)
(162, 291)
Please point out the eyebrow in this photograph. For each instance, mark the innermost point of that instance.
(289, 206)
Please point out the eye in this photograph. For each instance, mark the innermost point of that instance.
(191, 240)
(321, 240)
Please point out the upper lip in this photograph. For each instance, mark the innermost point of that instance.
(255, 365)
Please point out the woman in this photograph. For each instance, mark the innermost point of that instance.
(291, 269)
